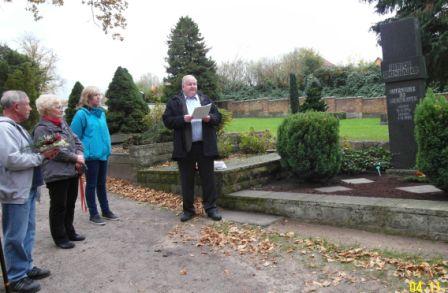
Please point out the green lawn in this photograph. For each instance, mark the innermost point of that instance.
(352, 129)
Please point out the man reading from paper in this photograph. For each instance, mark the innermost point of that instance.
(194, 143)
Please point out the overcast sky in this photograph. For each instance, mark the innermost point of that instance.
(337, 30)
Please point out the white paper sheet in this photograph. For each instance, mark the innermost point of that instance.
(201, 112)
(220, 165)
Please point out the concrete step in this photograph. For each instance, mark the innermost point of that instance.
(421, 218)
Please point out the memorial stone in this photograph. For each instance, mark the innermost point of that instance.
(404, 72)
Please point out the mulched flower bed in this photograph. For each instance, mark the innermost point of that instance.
(384, 186)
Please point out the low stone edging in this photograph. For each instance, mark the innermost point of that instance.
(240, 174)
(421, 218)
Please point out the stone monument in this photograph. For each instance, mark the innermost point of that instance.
(404, 72)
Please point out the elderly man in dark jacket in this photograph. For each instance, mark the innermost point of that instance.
(194, 144)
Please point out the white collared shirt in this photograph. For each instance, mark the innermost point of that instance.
(196, 124)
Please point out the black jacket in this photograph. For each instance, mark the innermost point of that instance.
(173, 118)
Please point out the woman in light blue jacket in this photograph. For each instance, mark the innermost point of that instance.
(89, 124)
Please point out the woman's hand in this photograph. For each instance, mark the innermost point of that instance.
(80, 159)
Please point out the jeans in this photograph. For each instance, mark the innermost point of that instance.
(19, 231)
(63, 194)
(96, 183)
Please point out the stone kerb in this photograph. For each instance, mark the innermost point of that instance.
(240, 174)
(125, 166)
(421, 218)
(150, 154)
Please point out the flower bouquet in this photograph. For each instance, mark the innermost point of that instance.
(48, 142)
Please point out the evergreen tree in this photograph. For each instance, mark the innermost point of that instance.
(73, 101)
(433, 18)
(313, 93)
(187, 55)
(293, 93)
(18, 72)
(126, 107)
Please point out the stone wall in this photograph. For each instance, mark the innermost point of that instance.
(359, 106)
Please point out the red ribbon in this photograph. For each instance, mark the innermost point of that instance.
(83, 195)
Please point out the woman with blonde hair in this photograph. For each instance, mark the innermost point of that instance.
(62, 173)
(89, 123)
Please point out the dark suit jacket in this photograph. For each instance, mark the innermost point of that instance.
(173, 118)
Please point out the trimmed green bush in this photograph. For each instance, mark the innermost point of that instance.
(309, 145)
(253, 142)
(225, 146)
(431, 134)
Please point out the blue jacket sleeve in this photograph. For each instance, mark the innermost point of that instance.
(78, 124)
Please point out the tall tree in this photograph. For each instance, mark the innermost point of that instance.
(18, 72)
(109, 13)
(45, 58)
(433, 18)
(126, 107)
(73, 101)
(187, 55)
(293, 94)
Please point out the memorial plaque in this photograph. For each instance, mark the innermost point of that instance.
(404, 72)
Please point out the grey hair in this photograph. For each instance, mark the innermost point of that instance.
(47, 102)
(10, 97)
(187, 78)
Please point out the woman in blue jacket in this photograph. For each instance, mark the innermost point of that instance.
(89, 124)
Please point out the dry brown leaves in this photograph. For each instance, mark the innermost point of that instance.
(163, 199)
(373, 260)
(244, 240)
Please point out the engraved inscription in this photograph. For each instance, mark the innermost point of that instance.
(401, 69)
(402, 98)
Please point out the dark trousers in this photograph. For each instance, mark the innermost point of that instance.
(96, 184)
(63, 195)
(206, 173)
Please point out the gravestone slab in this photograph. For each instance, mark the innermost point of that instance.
(358, 181)
(404, 72)
(420, 189)
(332, 189)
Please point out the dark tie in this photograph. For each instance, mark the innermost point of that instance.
(191, 98)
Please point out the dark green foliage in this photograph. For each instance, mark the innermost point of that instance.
(187, 55)
(309, 145)
(351, 81)
(156, 134)
(431, 134)
(293, 93)
(18, 72)
(73, 101)
(433, 18)
(226, 118)
(225, 146)
(126, 107)
(363, 160)
(254, 142)
(313, 92)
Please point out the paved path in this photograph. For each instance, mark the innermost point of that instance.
(137, 254)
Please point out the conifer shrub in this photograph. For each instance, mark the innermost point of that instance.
(308, 144)
(431, 134)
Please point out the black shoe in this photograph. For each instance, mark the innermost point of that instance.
(185, 216)
(97, 220)
(24, 285)
(65, 245)
(77, 237)
(214, 215)
(110, 216)
(38, 273)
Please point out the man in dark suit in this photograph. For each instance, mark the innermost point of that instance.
(194, 143)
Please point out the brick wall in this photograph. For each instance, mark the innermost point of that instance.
(280, 107)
